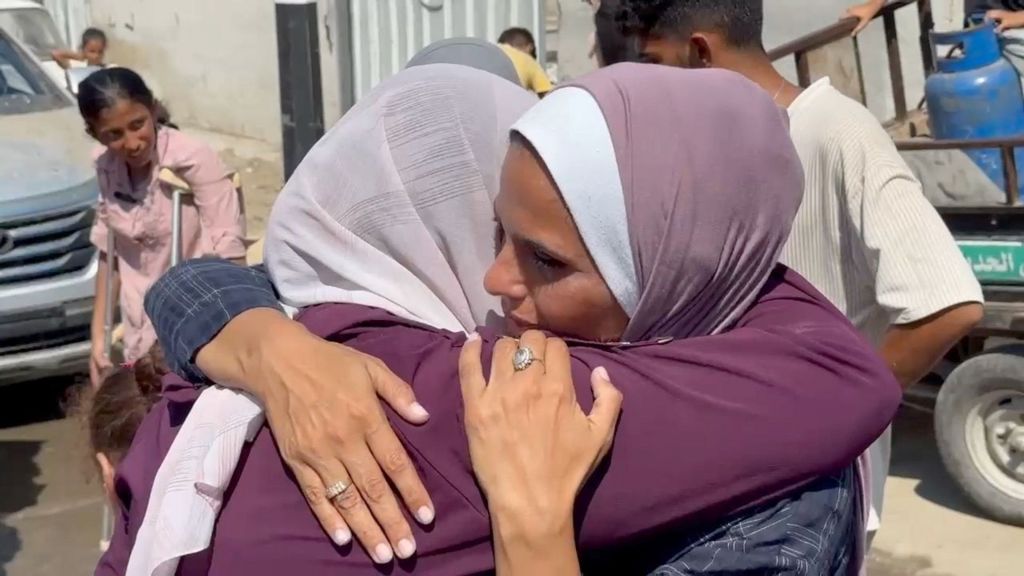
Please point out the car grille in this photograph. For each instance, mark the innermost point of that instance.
(45, 246)
(50, 339)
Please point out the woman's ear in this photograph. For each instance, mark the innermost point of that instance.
(107, 475)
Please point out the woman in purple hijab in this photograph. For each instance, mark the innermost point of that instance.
(743, 389)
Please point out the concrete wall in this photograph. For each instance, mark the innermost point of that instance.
(214, 62)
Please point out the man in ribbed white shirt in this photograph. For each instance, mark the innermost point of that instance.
(865, 234)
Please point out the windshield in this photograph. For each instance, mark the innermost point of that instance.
(34, 28)
(24, 87)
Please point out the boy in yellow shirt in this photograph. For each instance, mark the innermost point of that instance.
(521, 49)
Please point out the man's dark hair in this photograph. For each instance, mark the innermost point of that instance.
(520, 38)
(612, 45)
(741, 22)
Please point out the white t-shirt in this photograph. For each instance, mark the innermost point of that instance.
(865, 235)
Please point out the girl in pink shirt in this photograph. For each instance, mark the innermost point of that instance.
(121, 114)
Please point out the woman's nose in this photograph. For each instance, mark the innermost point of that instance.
(135, 145)
(503, 278)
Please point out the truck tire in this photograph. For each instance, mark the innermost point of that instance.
(979, 426)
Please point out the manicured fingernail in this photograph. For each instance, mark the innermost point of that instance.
(406, 548)
(342, 537)
(382, 554)
(418, 411)
(601, 373)
(473, 337)
(425, 515)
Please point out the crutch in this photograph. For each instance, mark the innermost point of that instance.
(107, 528)
(178, 189)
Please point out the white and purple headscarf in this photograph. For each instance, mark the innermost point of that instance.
(683, 185)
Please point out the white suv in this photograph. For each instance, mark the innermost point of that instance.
(48, 194)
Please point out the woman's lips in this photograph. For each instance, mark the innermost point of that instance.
(516, 326)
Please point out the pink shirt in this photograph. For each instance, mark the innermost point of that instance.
(212, 223)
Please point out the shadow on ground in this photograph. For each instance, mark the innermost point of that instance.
(18, 491)
(915, 456)
(20, 405)
(885, 564)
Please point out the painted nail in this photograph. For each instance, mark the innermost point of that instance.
(601, 373)
(473, 337)
(406, 548)
(382, 554)
(416, 410)
(342, 537)
(425, 515)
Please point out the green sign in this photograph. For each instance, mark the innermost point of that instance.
(995, 262)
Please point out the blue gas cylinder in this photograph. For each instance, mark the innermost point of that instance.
(976, 95)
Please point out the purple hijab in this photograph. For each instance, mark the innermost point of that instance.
(707, 186)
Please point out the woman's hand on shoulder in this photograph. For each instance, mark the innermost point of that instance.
(533, 447)
(322, 402)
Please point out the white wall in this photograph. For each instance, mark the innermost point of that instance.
(214, 62)
(71, 17)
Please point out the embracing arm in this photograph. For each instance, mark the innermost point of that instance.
(712, 426)
(193, 302)
(218, 201)
(222, 322)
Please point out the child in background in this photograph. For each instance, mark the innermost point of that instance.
(113, 411)
(519, 45)
(91, 52)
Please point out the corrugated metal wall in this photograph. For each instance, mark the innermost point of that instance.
(385, 34)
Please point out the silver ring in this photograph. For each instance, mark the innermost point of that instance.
(335, 490)
(523, 358)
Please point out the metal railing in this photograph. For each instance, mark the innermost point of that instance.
(800, 49)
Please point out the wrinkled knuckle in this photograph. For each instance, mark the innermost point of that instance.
(313, 493)
(490, 417)
(396, 463)
(359, 416)
(375, 489)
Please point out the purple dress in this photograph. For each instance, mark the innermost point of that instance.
(710, 427)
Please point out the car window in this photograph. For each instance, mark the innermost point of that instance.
(33, 28)
(24, 87)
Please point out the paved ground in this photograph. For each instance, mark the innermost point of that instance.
(929, 529)
(50, 506)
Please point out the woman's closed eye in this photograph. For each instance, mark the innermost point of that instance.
(545, 262)
(499, 236)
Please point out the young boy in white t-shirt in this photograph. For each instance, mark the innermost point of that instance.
(865, 234)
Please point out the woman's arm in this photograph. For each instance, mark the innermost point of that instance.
(192, 303)
(218, 201)
(532, 447)
(222, 322)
